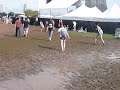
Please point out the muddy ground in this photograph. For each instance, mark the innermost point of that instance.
(35, 63)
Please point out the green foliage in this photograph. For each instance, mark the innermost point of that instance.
(4, 14)
(11, 14)
(31, 13)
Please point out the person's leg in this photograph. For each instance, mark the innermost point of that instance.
(19, 32)
(75, 28)
(96, 39)
(62, 47)
(16, 33)
(102, 39)
(26, 33)
(41, 29)
(49, 33)
(64, 44)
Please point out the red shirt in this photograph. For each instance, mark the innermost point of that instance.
(18, 23)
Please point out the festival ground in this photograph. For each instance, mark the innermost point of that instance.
(35, 63)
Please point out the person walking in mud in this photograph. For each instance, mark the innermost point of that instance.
(50, 29)
(99, 33)
(46, 26)
(17, 27)
(41, 26)
(26, 27)
(63, 36)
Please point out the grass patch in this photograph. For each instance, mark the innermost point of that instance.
(90, 34)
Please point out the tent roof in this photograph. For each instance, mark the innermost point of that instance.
(59, 4)
(84, 11)
(114, 12)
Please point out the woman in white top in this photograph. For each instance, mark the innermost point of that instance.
(41, 26)
(63, 35)
(99, 32)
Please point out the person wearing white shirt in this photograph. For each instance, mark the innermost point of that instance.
(74, 25)
(99, 33)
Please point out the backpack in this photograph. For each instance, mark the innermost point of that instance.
(63, 32)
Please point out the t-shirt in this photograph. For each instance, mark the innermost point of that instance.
(26, 24)
(50, 25)
(41, 25)
(18, 23)
(99, 30)
(74, 23)
(63, 32)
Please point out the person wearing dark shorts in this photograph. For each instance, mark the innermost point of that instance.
(26, 27)
(50, 30)
(63, 35)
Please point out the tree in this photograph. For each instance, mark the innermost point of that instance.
(4, 14)
(11, 14)
(31, 13)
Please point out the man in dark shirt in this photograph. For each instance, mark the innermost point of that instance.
(26, 27)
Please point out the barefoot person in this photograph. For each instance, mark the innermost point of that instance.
(99, 33)
(63, 35)
(41, 26)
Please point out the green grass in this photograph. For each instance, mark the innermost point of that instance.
(90, 35)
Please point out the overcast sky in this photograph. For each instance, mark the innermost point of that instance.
(111, 2)
(17, 5)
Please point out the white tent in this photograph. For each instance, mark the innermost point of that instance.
(84, 13)
(59, 4)
(113, 13)
(45, 16)
(57, 7)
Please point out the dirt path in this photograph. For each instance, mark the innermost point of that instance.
(34, 63)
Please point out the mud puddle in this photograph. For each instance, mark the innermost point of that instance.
(49, 79)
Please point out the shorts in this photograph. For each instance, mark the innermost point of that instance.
(63, 37)
(26, 29)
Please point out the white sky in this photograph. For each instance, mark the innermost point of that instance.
(17, 5)
(111, 2)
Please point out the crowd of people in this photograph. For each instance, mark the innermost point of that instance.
(49, 27)
(6, 20)
(19, 24)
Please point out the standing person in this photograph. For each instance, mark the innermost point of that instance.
(53, 22)
(18, 25)
(99, 32)
(63, 35)
(60, 23)
(74, 25)
(46, 26)
(26, 27)
(41, 26)
(50, 29)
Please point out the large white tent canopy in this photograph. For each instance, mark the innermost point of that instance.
(57, 7)
(59, 4)
(113, 12)
(93, 14)
(84, 13)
